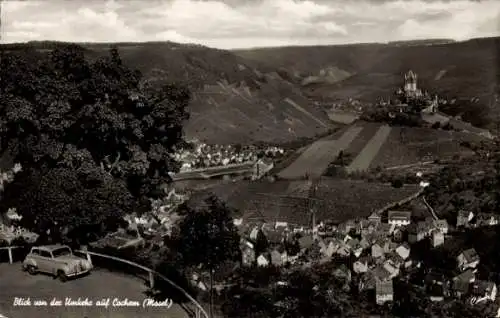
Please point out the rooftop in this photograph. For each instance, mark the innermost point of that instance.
(399, 215)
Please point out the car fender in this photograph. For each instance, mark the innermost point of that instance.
(60, 266)
(29, 261)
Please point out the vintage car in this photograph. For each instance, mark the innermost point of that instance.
(57, 260)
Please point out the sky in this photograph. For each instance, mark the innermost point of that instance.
(230, 24)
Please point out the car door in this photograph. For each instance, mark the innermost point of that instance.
(45, 262)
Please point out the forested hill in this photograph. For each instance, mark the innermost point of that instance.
(233, 100)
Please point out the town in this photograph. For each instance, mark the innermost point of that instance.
(291, 170)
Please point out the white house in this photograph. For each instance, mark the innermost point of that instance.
(262, 261)
(437, 238)
(399, 218)
(403, 250)
(384, 291)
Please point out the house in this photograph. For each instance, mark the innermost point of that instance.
(484, 219)
(278, 258)
(377, 251)
(367, 281)
(352, 243)
(364, 244)
(361, 265)
(461, 283)
(468, 259)
(247, 253)
(262, 261)
(399, 218)
(328, 250)
(384, 292)
(436, 292)
(403, 250)
(255, 233)
(417, 232)
(275, 236)
(343, 250)
(390, 246)
(385, 229)
(391, 268)
(375, 218)
(346, 227)
(437, 238)
(398, 234)
(484, 291)
(380, 273)
(464, 218)
(441, 225)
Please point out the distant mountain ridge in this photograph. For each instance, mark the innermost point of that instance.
(467, 70)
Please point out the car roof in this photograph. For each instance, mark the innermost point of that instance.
(50, 248)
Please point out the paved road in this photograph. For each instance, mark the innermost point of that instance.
(98, 285)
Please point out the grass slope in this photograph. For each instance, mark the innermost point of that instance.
(234, 100)
(459, 70)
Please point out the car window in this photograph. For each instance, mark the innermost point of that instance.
(63, 251)
(35, 252)
(45, 254)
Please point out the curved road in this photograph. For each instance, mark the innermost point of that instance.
(98, 285)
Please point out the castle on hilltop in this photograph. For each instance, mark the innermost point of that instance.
(410, 86)
(410, 94)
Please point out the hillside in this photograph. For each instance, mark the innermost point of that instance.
(337, 200)
(461, 70)
(367, 146)
(232, 101)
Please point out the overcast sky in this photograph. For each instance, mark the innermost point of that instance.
(248, 23)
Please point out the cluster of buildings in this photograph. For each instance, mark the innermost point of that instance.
(410, 93)
(374, 251)
(206, 156)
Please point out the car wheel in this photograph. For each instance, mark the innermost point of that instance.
(62, 276)
(31, 269)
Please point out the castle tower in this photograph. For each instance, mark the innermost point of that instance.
(411, 82)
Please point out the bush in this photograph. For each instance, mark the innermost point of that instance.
(397, 183)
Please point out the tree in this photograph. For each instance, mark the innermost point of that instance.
(62, 111)
(208, 238)
(66, 204)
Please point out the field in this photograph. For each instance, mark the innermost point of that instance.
(369, 129)
(315, 159)
(342, 117)
(402, 146)
(412, 145)
(364, 158)
(287, 201)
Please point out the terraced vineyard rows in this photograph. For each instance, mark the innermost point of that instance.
(287, 201)
(369, 130)
(315, 159)
(364, 158)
